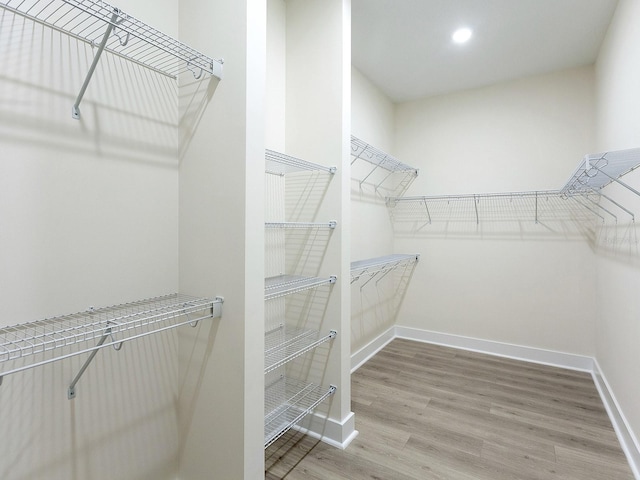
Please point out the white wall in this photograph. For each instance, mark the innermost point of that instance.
(618, 266)
(275, 106)
(89, 217)
(535, 288)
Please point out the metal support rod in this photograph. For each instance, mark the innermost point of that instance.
(371, 277)
(536, 207)
(369, 174)
(75, 110)
(71, 392)
(383, 180)
(617, 181)
(475, 204)
(427, 209)
(633, 217)
(588, 208)
(600, 207)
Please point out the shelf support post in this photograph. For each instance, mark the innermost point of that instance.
(75, 110)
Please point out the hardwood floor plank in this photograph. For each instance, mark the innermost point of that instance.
(427, 412)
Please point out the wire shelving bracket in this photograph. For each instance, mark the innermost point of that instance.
(277, 163)
(124, 36)
(110, 325)
(281, 285)
(373, 267)
(403, 173)
(297, 342)
(301, 400)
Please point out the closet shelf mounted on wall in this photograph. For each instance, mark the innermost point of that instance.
(280, 164)
(297, 342)
(381, 265)
(41, 342)
(302, 399)
(282, 285)
(300, 225)
(109, 29)
(388, 173)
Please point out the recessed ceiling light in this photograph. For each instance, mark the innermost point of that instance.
(462, 35)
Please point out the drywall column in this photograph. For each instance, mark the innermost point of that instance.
(317, 129)
(221, 242)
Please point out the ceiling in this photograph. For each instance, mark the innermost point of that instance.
(404, 46)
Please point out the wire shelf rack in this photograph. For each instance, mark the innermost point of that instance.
(598, 170)
(300, 225)
(300, 399)
(281, 285)
(296, 342)
(277, 163)
(397, 176)
(534, 206)
(86, 20)
(113, 325)
(381, 265)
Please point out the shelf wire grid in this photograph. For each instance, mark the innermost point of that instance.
(281, 285)
(278, 163)
(597, 170)
(377, 265)
(363, 151)
(534, 206)
(300, 225)
(132, 39)
(287, 402)
(297, 342)
(123, 322)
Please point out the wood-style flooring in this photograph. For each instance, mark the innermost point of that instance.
(430, 412)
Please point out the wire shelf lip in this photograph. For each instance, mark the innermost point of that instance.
(372, 266)
(297, 342)
(124, 322)
(278, 163)
(302, 225)
(466, 196)
(371, 154)
(597, 170)
(282, 285)
(301, 400)
(85, 20)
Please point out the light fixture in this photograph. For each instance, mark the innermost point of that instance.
(462, 35)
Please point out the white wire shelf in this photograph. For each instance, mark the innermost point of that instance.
(381, 265)
(287, 402)
(278, 163)
(534, 206)
(285, 344)
(69, 335)
(134, 40)
(597, 170)
(282, 285)
(300, 225)
(388, 174)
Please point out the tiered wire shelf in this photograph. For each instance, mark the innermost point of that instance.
(110, 29)
(277, 163)
(387, 173)
(297, 342)
(69, 335)
(300, 399)
(281, 285)
(372, 267)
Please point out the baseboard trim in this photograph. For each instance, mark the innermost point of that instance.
(330, 431)
(517, 352)
(365, 353)
(628, 441)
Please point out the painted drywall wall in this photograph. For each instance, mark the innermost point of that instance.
(276, 75)
(520, 284)
(618, 263)
(373, 305)
(89, 217)
(221, 242)
(318, 98)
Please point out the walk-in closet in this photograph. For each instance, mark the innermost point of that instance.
(319, 239)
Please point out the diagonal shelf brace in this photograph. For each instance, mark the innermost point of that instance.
(71, 391)
(75, 110)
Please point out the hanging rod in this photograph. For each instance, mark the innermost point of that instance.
(280, 164)
(296, 342)
(110, 29)
(300, 225)
(110, 325)
(288, 401)
(282, 285)
(377, 265)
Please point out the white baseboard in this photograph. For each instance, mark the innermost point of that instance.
(626, 437)
(330, 431)
(628, 441)
(365, 353)
(518, 352)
